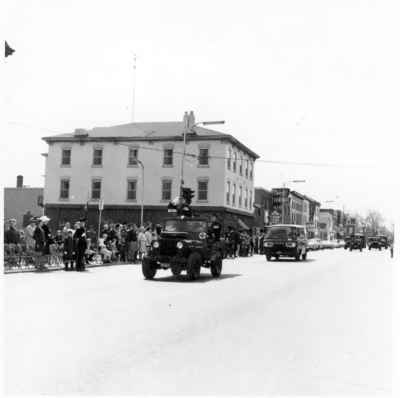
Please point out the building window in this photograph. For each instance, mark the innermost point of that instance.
(234, 195)
(96, 189)
(234, 162)
(97, 156)
(247, 169)
(251, 171)
(166, 189)
(132, 188)
(203, 157)
(241, 166)
(133, 155)
(251, 201)
(66, 157)
(202, 190)
(168, 157)
(240, 196)
(228, 192)
(229, 159)
(64, 188)
(246, 198)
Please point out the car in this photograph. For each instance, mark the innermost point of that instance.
(356, 243)
(314, 244)
(184, 245)
(375, 242)
(341, 243)
(286, 240)
(327, 244)
(384, 241)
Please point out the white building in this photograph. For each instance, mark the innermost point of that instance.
(87, 165)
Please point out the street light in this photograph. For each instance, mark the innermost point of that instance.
(187, 129)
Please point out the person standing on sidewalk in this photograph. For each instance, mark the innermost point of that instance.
(69, 251)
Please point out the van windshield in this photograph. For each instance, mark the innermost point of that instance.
(283, 233)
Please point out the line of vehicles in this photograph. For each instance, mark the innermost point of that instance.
(185, 245)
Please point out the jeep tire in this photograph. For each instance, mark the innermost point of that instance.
(304, 256)
(149, 268)
(216, 266)
(297, 256)
(193, 266)
(268, 257)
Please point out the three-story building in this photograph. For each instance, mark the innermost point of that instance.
(122, 164)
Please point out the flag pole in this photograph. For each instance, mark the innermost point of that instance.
(134, 88)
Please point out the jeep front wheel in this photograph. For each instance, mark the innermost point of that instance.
(149, 268)
(216, 267)
(193, 266)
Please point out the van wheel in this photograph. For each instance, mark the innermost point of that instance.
(149, 268)
(268, 257)
(297, 256)
(276, 258)
(304, 256)
(193, 266)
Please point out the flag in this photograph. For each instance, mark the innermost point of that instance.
(8, 50)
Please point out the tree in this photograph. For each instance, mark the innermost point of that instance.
(374, 220)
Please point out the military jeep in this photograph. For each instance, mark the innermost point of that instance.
(184, 245)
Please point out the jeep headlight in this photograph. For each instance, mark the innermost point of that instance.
(179, 245)
(268, 244)
(290, 244)
(156, 245)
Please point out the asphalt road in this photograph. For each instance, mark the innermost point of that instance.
(323, 326)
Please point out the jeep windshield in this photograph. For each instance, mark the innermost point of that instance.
(282, 233)
(185, 226)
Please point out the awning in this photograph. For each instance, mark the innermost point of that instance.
(242, 224)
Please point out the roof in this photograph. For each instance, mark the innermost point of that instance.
(146, 131)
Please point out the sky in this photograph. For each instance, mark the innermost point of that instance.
(296, 81)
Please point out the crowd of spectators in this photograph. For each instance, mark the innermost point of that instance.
(78, 245)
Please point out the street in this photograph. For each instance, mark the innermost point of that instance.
(323, 326)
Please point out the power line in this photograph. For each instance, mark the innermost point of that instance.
(196, 156)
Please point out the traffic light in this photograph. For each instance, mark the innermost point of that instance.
(188, 195)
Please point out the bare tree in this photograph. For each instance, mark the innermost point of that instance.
(375, 220)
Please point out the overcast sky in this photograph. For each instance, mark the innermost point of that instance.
(303, 81)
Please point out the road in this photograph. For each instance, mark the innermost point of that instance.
(317, 327)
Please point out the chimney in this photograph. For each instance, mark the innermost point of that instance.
(20, 181)
(191, 120)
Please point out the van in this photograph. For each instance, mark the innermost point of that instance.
(286, 240)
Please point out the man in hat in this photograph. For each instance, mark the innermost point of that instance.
(12, 236)
(215, 229)
(47, 234)
(80, 245)
(69, 250)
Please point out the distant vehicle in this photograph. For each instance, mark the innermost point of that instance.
(184, 245)
(384, 241)
(341, 243)
(286, 240)
(314, 244)
(357, 242)
(327, 244)
(376, 242)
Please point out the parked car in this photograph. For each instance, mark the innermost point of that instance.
(314, 244)
(341, 243)
(286, 240)
(374, 242)
(327, 244)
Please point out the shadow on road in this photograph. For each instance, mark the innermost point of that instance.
(202, 279)
(292, 260)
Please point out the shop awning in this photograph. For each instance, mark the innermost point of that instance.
(242, 224)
